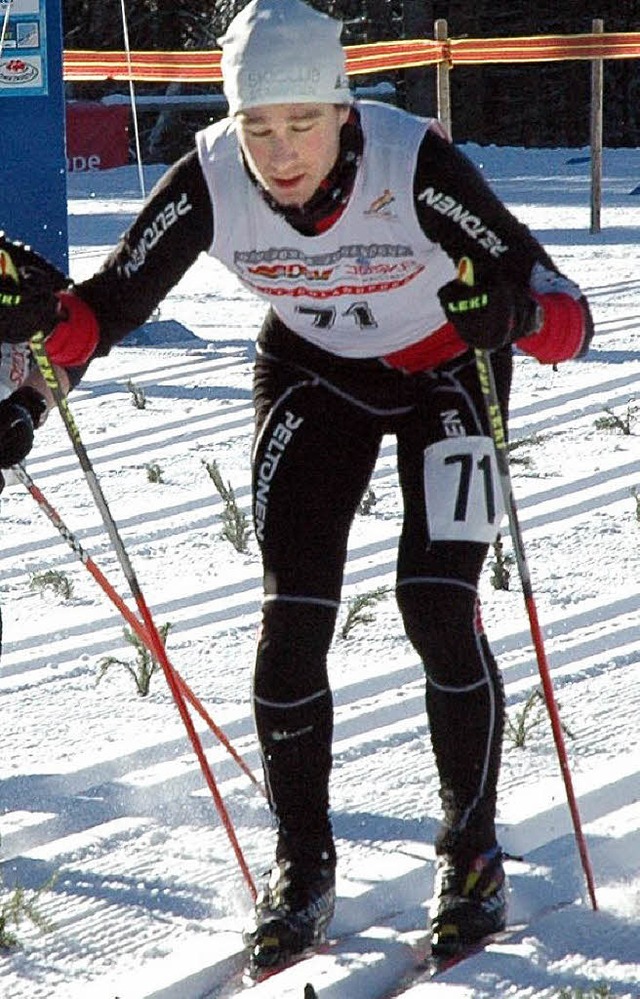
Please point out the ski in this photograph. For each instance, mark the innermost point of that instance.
(303, 976)
(252, 976)
(430, 966)
(433, 965)
(246, 978)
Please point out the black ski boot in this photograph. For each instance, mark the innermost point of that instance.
(469, 902)
(291, 914)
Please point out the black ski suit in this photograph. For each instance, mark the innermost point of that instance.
(320, 419)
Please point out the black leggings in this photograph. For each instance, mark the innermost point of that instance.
(319, 424)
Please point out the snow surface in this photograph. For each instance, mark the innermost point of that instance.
(100, 786)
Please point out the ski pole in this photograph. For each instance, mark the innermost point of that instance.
(157, 645)
(21, 473)
(496, 423)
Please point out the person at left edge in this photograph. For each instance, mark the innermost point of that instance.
(34, 296)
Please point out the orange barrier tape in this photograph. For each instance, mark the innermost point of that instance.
(550, 48)
(193, 67)
(377, 56)
(204, 66)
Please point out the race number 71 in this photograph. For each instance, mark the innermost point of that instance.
(462, 490)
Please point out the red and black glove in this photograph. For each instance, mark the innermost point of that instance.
(491, 315)
(20, 414)
(35, 297)
(28, 284)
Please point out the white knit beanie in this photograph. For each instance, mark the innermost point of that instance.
(283, 52)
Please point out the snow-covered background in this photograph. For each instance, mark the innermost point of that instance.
(99, 786)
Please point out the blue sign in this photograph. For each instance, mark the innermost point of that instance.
(33, 171)
(23, 64)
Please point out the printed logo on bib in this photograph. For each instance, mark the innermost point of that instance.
(356, 269)
(462, 490)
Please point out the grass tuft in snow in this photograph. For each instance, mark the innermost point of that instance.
(611, 420)
(138, 397)
(18, 905)
(235, 527)
(367, 502)
(532, 714)
(501, 566)
(54, 580)
(154, 472)
(359, 609)
(144, 666)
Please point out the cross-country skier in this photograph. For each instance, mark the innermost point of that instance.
(28, 301)
(348, 218)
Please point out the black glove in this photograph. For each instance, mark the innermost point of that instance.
(20, 413)
(490, 316)
(28, 284)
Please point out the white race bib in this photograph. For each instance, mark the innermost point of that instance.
(462, 490)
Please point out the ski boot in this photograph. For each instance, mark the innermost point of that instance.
(291, 915)
(469, 902)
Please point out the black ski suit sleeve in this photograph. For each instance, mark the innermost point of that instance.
(457, 209)
(174, 226)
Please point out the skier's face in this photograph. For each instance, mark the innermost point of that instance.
(290, 148)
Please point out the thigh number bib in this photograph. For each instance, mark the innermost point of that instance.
(462, 490)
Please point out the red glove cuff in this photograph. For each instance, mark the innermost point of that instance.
(75, 335)
(563, 333)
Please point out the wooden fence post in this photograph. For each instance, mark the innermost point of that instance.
(597, 75)
(443, 83)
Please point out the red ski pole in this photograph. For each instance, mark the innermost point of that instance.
(134, 623)
(494, 414)
(156, 643)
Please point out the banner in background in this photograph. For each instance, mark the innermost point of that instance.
(97, 136)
